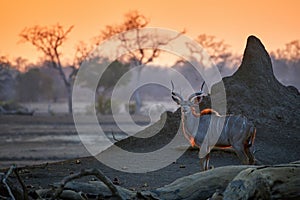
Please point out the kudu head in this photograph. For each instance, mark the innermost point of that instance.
(186, 105)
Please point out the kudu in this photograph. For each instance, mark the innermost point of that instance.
(237, 131)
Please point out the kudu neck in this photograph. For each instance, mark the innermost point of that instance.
(190, 122)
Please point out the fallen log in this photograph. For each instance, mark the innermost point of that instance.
(201, 185)
(269, 182)
(240, 182)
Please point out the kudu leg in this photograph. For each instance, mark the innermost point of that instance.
(250, 155)
(204, 163)
(247, 146)
(240, 151)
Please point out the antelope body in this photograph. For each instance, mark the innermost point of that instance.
(237, 131)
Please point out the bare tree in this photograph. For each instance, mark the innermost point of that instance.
(218, 51)
(286, 62)
(133, 22)
(290, 52)
(21, 63)
(49, 39)
(83, 52)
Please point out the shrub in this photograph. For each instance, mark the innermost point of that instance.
(104, 105)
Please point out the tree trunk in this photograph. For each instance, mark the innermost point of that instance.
(69, 93)
(137, 97)
(138, 101)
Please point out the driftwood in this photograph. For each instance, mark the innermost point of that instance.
(229, 182)
(81, 190)
(201, 185)
(239, 182)
(95, 172)
(276, 182)
(10, 190)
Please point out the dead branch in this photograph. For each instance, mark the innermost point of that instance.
(3, 197)
(25, 192)
(11, 169)
(87, 172)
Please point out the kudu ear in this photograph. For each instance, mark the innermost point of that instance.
(196, 95)
(199, 99)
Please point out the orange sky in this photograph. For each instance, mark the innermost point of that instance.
(274, 22)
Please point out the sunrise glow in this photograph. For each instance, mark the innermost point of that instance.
(274, 22)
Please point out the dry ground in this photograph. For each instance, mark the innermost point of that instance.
(46, 139)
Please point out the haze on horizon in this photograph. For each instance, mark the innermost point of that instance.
(274, 22)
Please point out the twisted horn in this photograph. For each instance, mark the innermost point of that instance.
(175, 96)
(202, 86)
(199, 94)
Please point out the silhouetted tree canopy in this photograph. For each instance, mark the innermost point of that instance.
(290, 52)
(7, 76)
(286, 63)
(108, 79)
(34, 85)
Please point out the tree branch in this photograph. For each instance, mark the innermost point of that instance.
(87, 172)
(11, 169)
(25, 192)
